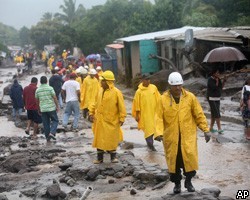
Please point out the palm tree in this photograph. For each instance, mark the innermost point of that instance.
(47, 16)
(70, 13)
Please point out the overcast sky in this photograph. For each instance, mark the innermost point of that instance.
(19, 13)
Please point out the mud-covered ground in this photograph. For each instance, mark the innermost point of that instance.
(35, 169)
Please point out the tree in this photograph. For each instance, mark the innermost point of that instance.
(24, 36)
(47, 16)
(44, 33)
(70, 13)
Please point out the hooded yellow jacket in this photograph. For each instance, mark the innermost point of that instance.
(174, 120)
(109, 110)
(145, 101)
(89, 91)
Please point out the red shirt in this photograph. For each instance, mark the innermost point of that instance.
(29, 97)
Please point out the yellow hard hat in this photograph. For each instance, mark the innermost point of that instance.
(108, 75)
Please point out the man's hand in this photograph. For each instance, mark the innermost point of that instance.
(207, 136)
(121, 123)
(91, 118)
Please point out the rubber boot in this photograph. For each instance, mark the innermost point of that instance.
(113, 157)
(177, 188)
(99, 157)
(188, 185)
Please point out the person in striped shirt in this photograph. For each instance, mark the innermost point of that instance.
(48, 107)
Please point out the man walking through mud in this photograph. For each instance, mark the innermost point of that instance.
(48, 106)
(108, 114)
(143, 110)
(177, 117)
(31, 107)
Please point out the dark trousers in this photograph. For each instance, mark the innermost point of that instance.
(176, 177)
(101, 152)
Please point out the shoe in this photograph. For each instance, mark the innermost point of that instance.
(115, 160)
(177, 188)
(213, 130)
(27, 132)
(220, 131)
(98, 161)
(189, 186)
(65, 129)
(75, 130)
(52, 136)
(159, 138)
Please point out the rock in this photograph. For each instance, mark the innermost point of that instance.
(133, 191)
(109, 172)
(209, 197)
(101, 177)
(23, 145)
(159, 186)
(211, 191)
(127, 145)
(118, 168)
(65, 166)
(118, 175)
(3, 197)
(162, 177)
(92, 174)
(62, 194)
(141, 187)
(143, 175)
(53, 191)
(111, 181)
(71, 182)
(77, 173)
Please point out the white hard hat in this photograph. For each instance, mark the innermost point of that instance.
(81, 67)
(92, 72)
(83, 71)
(78, 71)
(57, 68)
(86, 67)
(98, 68)
(175, 78)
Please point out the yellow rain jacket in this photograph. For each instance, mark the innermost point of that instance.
(64, 55)
(109, 110)
(50, 61)
(89, 91)
(180, 119)
(44, 56)
(145, 101)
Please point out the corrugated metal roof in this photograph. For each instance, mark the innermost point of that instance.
(153, 35)
(213, 34)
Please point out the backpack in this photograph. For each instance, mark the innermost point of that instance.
(246, 109)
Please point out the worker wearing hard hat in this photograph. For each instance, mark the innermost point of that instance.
(143, 109)
(64, 54)
(108, 113)
(50, 61)
(177, 117)
(89, 91)
(99, 72)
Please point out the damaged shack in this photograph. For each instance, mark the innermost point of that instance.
(181, 50)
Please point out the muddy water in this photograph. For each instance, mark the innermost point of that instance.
(224, 165)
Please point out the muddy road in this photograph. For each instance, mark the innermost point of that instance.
(29, 167)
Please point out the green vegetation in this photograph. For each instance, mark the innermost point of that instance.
(92, 29)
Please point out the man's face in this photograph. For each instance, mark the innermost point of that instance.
(104, 84)
(145, 82)
(175, 90)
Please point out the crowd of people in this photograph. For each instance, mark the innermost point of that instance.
(171, 118)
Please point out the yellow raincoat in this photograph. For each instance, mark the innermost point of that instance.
(89, 91)
(109, 110)
(145, 101)
(183, 118)
(50, 61)
(64, 55)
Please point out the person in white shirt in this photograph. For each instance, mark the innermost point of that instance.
(71, 89)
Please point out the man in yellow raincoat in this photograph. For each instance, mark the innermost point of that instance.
(143, 109)
(108, 114)
(64, 54)
(89, 91)
(177, 117)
